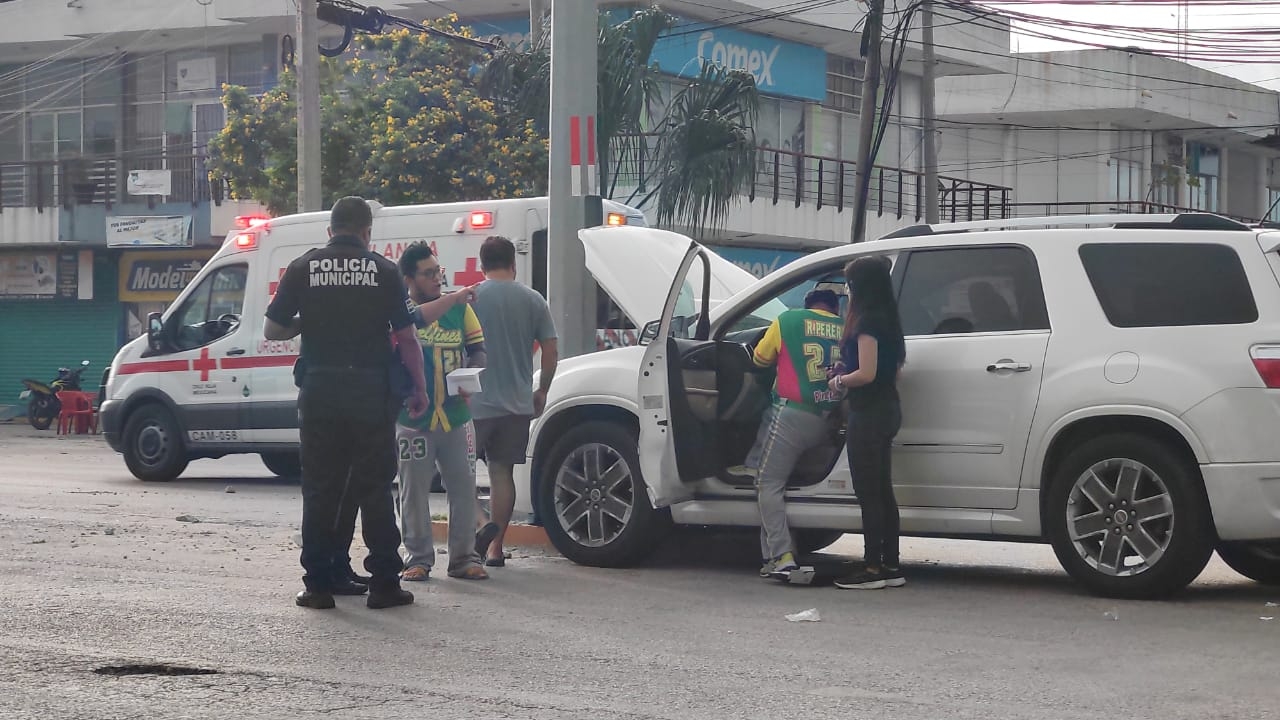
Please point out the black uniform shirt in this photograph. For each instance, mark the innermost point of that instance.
(349, 298)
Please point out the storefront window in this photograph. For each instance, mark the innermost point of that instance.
(844, 83)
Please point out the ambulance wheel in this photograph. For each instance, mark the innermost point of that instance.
(153, 447)
(283, 464)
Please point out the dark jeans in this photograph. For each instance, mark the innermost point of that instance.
(348, 466)
(869, 441)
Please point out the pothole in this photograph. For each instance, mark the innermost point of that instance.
(152, 669)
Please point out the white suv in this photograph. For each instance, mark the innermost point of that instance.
(1104, 383)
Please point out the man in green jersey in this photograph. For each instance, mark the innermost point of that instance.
(442, 437)
(802, 344)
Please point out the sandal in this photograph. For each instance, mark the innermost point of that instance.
(470, 572)
(417, 573)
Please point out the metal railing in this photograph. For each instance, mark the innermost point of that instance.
(101, 180)
(783, 176)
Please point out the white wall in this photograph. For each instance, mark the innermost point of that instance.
(27, 225)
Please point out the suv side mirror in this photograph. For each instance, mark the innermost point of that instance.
(650, 332)
(155, 332)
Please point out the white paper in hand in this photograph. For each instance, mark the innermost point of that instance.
(467, 379)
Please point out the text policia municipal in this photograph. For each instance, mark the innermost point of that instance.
(343, 272)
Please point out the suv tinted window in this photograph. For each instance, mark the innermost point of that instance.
(964, 290)
(1169, 285)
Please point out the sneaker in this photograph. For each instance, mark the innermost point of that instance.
(417, 573)
(767, 569)
(893, 577)
(783, 566)
(314, 599)
(388, 597)
(864, 580)
(743, 472)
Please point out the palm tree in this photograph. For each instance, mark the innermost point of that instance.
(705, 149)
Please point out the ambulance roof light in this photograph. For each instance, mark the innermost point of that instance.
(481, 220)
(244, 222)
(614, 219)
(245, 240)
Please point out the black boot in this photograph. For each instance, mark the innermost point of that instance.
(349, 587)
(355, 577)
(314, 599)
(384, 595)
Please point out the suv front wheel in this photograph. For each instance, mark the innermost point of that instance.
(592, 498)
(1128, 518)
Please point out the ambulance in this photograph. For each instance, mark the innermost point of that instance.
(203, 382)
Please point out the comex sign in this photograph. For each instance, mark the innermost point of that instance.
(780, 67)
(738, 57)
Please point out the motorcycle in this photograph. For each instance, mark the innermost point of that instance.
(43, 406)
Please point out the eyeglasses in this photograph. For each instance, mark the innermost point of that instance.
(430, 274)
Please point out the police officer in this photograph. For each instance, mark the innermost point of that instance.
(343, 299)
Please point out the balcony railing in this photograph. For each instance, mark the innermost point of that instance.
(101, 180)
(783, 176)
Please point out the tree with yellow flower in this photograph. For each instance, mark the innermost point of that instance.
(402, 122)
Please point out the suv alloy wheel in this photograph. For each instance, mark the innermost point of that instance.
(1127, 517)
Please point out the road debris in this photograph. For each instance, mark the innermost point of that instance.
(187, 519)
(810, 615)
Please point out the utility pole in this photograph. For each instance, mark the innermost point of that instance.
(310, 196)
(927, 108)
(537, 13)
(867, 121)
(573, 181)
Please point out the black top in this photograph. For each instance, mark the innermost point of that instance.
(889, 356)
(349, 298)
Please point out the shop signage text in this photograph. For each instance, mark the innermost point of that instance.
(159, 275)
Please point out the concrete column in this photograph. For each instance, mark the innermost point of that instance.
(1148, 178)
(1102, 177)
(1223, 174)
(1263, 179)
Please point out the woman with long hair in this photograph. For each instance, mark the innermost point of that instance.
(871, 353)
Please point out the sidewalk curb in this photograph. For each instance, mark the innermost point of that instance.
(517, 535)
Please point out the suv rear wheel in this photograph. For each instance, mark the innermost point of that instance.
(592, 499)
(1258, 561)
(283, 464)
(1128, 518)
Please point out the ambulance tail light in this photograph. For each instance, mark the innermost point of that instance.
(245, 241)
(615, 219)
(481, 220)
(244, 222)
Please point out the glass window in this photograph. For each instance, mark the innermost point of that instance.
(966, 290)
(56, 84)
(1273, 204)
(844, 82)
(11, 87)
(247, 66)
(1168, 285)
(102, 82)
(146, 76)
(100, 130)
(197, 322)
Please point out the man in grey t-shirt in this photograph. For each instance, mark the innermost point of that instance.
(517, 323)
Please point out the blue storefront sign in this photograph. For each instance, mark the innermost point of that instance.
(761, 262)
(780, 67)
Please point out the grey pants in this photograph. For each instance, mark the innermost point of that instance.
(421, 453)
(786, 433)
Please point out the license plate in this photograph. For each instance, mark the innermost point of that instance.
(24, 394)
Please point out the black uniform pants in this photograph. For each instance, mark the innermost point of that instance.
(348, 466)
(869, 441)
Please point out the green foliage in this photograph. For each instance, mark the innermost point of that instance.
(403, 122)
(705, 150)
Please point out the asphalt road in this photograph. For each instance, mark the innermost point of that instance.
(98, 572)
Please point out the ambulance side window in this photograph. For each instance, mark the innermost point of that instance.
(207, 313)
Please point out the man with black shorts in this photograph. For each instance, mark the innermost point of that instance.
(343, 300)
(516, 321)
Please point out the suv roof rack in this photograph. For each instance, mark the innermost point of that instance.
(1128, 221)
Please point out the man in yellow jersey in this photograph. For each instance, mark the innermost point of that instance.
(441, 438)
(802, 344)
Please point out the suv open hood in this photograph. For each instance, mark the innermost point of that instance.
(636, 266)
